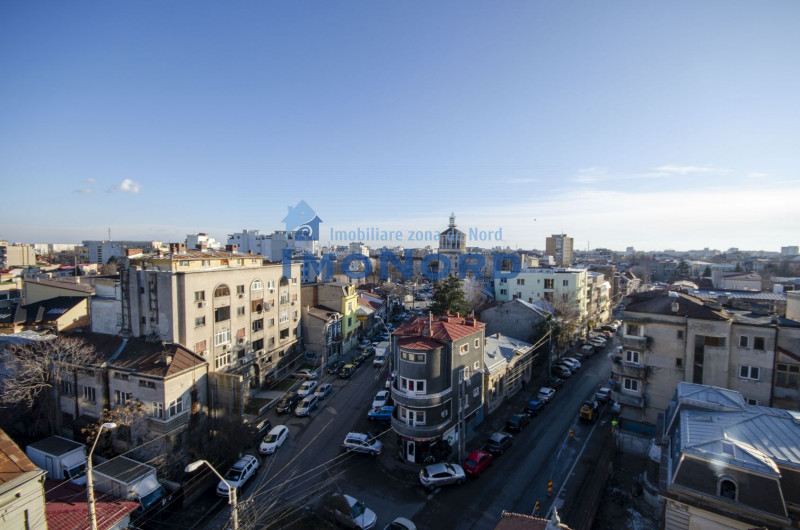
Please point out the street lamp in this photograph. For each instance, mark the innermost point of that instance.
(89, 481)
(462, 427)
(194, 466)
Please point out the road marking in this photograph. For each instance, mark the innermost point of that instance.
(431, 494)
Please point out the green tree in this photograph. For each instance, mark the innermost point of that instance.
(449, 297)
(682, 270)
(707, 272)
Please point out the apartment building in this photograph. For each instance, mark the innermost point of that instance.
(16, 255)
(230, 308)
(341, 298)
(559, 246)
(558, 287)
(438, 387)
(100, 251)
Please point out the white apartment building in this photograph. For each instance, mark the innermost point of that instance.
(231, 309)
(100, 251)
(271, 246)
(556, 286)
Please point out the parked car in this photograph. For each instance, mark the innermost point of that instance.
(589, 411)
(381, 413)
(545, 394)
(534, 407)
(565, 366)
(307, 388)
(274, 440)
(358, 442)
(238, 475)
(358, 359)
(498, 442)
(561, 371)
(602, 394)
(305, 373)
(347, 370)
(323, 391)
(348, 511)
(288, 403)
(517, 422)
(555, 383)
(572, 363)
(364, 343)
(335, 367)
(436, 475)
(308, 404)
(381, 399)
(477, 462)
(400, 523)
(577, 356)
(587, 349)
(260, 429)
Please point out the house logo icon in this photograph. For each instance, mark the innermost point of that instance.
(303, 221)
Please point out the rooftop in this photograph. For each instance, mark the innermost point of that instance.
(444, 328)
(67, 508)
(56, 445)
(13, 462)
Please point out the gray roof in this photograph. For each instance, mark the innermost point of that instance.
(56, 445)
(710, 397)
(499, 351)
(123, 469)
(744, 295)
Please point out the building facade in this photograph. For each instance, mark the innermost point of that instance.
(559, 246)
(562, 288)
(16, 255)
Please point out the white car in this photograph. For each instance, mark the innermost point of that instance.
(545, 394)
(323, 391)
(381, 399)
(401, 523)
(350, 512)
(274, 440)
(238, 474)
(307, 404)
(307, 388)
(305, 373)
(572, 363)
(436, 475)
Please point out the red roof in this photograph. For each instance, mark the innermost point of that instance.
(445, 328)
(418, 343)
(67, 508)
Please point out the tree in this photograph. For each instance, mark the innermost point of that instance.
(682, 270)
(449, 297)
(123, 415)
(111, 267)
(38, 369)
(707, 272)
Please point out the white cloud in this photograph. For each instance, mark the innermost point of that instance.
(84, 191)
(127, 186)
(757, 175)
(685, 170)
(90, 181)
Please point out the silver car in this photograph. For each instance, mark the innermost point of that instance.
(436, 475)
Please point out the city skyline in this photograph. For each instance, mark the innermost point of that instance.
(658, 126)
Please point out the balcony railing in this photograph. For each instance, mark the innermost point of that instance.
(626, 369)
(633, 342)
(629, 400)
(411, 399)
(419, 431)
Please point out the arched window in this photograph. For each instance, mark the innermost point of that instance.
(257, 285)
(727, 487)
(222, 290)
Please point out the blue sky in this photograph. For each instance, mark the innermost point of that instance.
(621, 123)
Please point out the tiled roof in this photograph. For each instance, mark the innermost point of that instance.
(13, 462)
(660, 302)
(67, 508)
(445, 328)
(418, 343)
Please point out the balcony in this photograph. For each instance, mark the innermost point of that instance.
(413, 400)
(420, 431)
(634, 343)
(629, 400)
(632, 370)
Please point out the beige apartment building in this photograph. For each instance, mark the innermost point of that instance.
(16, 255)
(233, 310)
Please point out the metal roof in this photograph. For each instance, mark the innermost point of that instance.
(500, 350)
(56, 445)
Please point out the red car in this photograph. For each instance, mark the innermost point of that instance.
(477, 461)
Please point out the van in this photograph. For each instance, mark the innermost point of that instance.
(308, 404)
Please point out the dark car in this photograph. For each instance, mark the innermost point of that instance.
(260, 429)
(347, 370)
(287, 404)
(534, 407)
(476, 462)
(517, 422)
(498, 442)
(358, 360)
(335, 367)
(555, 383)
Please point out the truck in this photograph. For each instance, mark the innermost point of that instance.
(61, 458)
(129, 479)
(589, 411)
(381, 353)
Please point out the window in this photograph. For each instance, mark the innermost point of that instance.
(680, 334)
(222, 336)
(633, 329)
(749, 372)
(752, 402)
(158, 410)
(744, 341)
(716, 342)
(89, 394)
(200, 347)
(294, 315)
(758, 343)
(121, 376)
(240, 311)
(199, 296)
(66, 388)
(222, 314)
(503, 280)
(258, 344)
(632, 356)
(463, 349)
(120, 397)
(503, 291)
(283, 298)
(147, 384)
(520, 281)
(412, 357)
(416, 386)
(258, 325)
(630, 384)
(477, 343)
(412, 417)
(788, 376)
(678, 363)
(727, 488)
(222, 290)
(271, 285)
(283, 317)
(257, 285)
(176, 407)
(240, 289)
(222, 360)
(184, 263)
(271, 322)
(199, 321)
(549, 284)
(284, 334)
(565, 283)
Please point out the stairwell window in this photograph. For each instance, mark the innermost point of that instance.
(89, 394)
(283, 317)
(222, 360)
(222, 290)
(463, 349)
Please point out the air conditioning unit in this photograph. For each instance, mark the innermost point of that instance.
(294, 302)
(241, 296)
(204, 353)
(267, 307)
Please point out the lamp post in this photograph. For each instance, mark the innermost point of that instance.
(231, 489)
(89, 480)
(461, 417)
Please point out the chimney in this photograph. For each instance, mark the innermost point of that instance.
(497, 335)
(168, 359)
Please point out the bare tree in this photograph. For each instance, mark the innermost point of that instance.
(38, 369)
(123, 415)
(568, 322)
